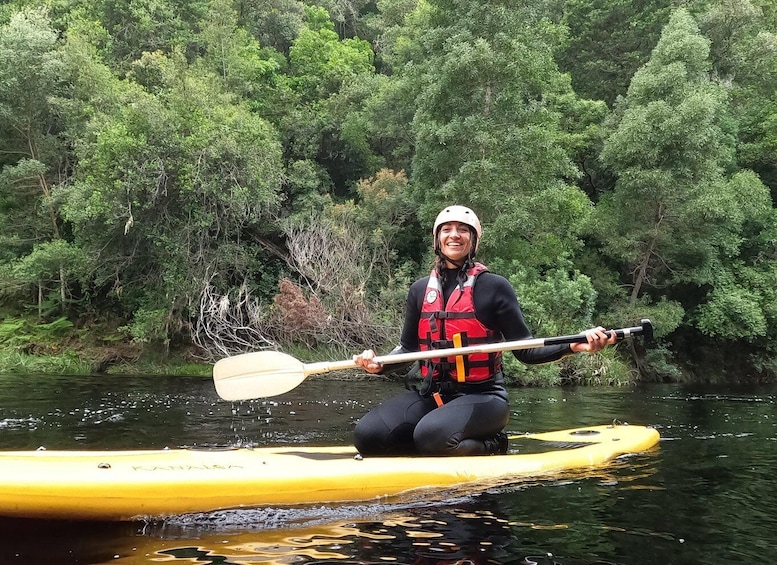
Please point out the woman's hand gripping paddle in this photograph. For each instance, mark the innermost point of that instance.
(271, 373)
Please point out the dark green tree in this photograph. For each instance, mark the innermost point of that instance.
(488, 127)
(677, 219)
(32, 159)
(149, 25)
(170, 193)
(325, 74)
(273, 23)
(608, 41)
(744, 56)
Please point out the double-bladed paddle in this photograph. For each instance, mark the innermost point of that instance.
(270, 373)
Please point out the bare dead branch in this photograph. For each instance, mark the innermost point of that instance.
(227, 325)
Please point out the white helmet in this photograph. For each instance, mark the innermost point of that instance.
(458, 214)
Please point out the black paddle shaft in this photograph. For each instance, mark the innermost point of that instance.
(645, 330)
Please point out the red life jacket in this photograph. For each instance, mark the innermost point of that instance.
(455, 325)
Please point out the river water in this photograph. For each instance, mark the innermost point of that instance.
(705, 495)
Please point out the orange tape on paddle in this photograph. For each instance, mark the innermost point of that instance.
(460, 376)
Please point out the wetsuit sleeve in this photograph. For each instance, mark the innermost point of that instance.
(498, 308)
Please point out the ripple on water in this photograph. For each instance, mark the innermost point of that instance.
(19, 423)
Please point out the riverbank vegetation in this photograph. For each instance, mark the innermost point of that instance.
(185, 180)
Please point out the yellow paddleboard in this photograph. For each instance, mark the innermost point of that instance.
(133, 485)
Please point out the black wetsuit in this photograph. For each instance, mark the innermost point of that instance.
(472, 415)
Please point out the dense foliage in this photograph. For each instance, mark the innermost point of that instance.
(227, 175)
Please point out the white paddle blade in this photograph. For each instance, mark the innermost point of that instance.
(257, 375)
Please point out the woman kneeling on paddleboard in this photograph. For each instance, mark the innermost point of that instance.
(461, 407)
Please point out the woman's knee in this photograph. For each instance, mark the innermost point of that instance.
(430, 438)
(384, 431)
(370, 434)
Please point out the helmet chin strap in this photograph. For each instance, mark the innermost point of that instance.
(459, 264)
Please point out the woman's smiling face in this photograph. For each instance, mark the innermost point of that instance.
(455, 240)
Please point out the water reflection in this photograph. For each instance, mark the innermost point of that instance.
(474, 532)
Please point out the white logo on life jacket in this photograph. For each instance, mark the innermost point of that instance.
(431, 296)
